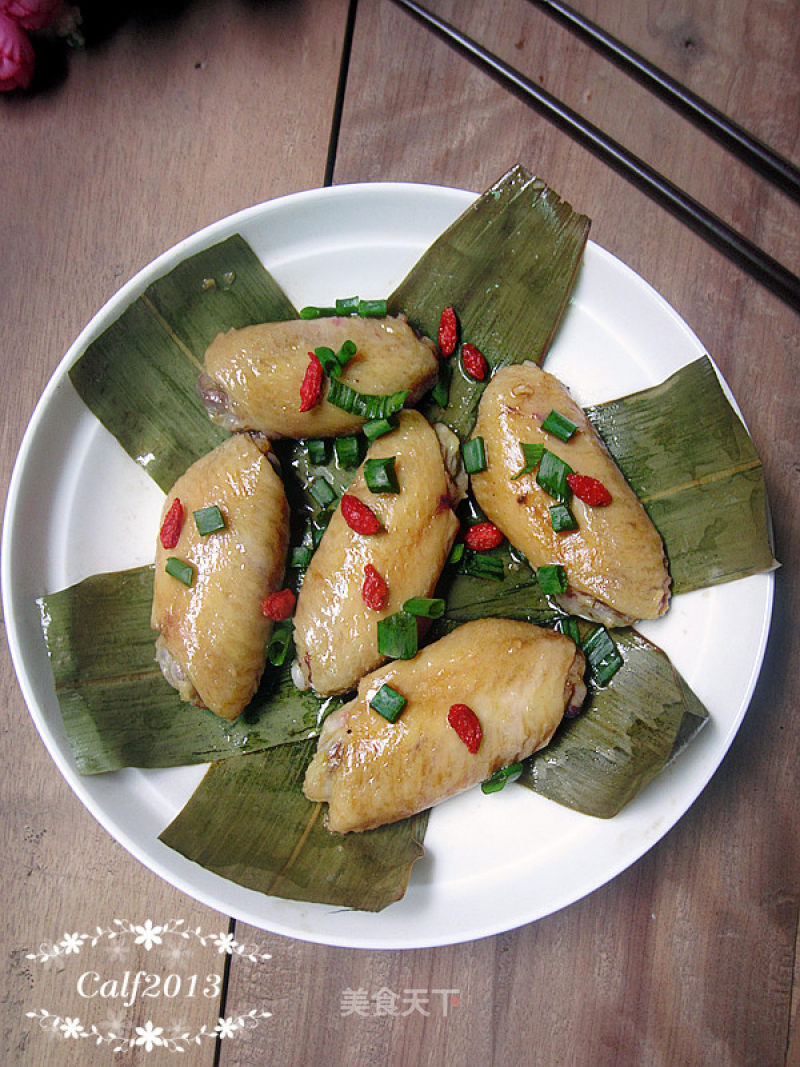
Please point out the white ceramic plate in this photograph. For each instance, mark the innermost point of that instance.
(79, 505)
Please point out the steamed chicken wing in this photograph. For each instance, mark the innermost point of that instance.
(335, 631)
(213, 636)
(253, 376)
(517, 678)
(614, 562)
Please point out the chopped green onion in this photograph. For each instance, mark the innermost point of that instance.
(179, 569)
(425, 607)
(346, 449)
(300, 557)
(378, 427)
(552, 476)
(562, 518)
(317, 450)
(380, 475)
(559, 425)
(602, 655)
(474, 453)
(388, 703)
(366, 405)
(456, 552)
(209, 520)
(279, 644)
(480, 565)
(531, 458)
(397, 636)
(440, 393)
(501, 777)
(569, 626)
(372, 309)
(313, 312)
(323, 492)
(327, 358)
(346, 353)
(347, 305)
(552, 579)
(320, 526)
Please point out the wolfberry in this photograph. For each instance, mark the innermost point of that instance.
(483, 536)
(311, 389)
(448, 332)
(465, 723)
(374, 591)
(279, 606)
(474, 362)
(358, 516)
(171, 527)
(589, 490)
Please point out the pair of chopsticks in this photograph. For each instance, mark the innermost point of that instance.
(738, 248)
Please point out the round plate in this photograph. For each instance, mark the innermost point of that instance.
(79, 505)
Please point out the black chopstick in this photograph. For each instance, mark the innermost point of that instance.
(757, 155)
(718, 233)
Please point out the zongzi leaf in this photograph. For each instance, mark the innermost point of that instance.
(117, 709)
(249, 821)
(685, 452)
(139, 377)
(508, 265)
(628, 732)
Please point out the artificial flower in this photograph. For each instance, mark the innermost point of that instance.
(31, 14)
(16, 55)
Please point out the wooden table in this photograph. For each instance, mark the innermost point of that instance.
(166, 123)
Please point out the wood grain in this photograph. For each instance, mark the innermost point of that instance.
(169, 123)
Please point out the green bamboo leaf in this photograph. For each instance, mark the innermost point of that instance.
(508, 265)
(117, 709)
(249, 821)
(140, 376)
(629, 731)
(685, 452)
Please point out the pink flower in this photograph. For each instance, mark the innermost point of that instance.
(32, 14)
(16, 55)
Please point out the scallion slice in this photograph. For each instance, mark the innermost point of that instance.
(397, 636)
(569, 626)
(279, 644)
(425, 607)
(317, 450)
(602, 655)
(552, 579)
(552, 476)
(440, 393)
(388, 703)
(320, 526)
(378, 427)
(209, 520)
(380, 475)
(480, 565)
(366, 405)
(562, 518)
(346, 353)
(347, 305)
(346, 449)
(300, 557)
(559, 425)
(474, 454)
(456, 552)
(531, 458)
(179, 569)
(372, 309)
(500, 778)
(311, 311)
(327, 358)
(323, 492)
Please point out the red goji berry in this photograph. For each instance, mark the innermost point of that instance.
(278, 606)
(311, 389)
(483, 536)
(448, 332)
(474, 362)
(374, 591)
(172, 525)
(589, 490)
(358, 516)
(465, 723)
